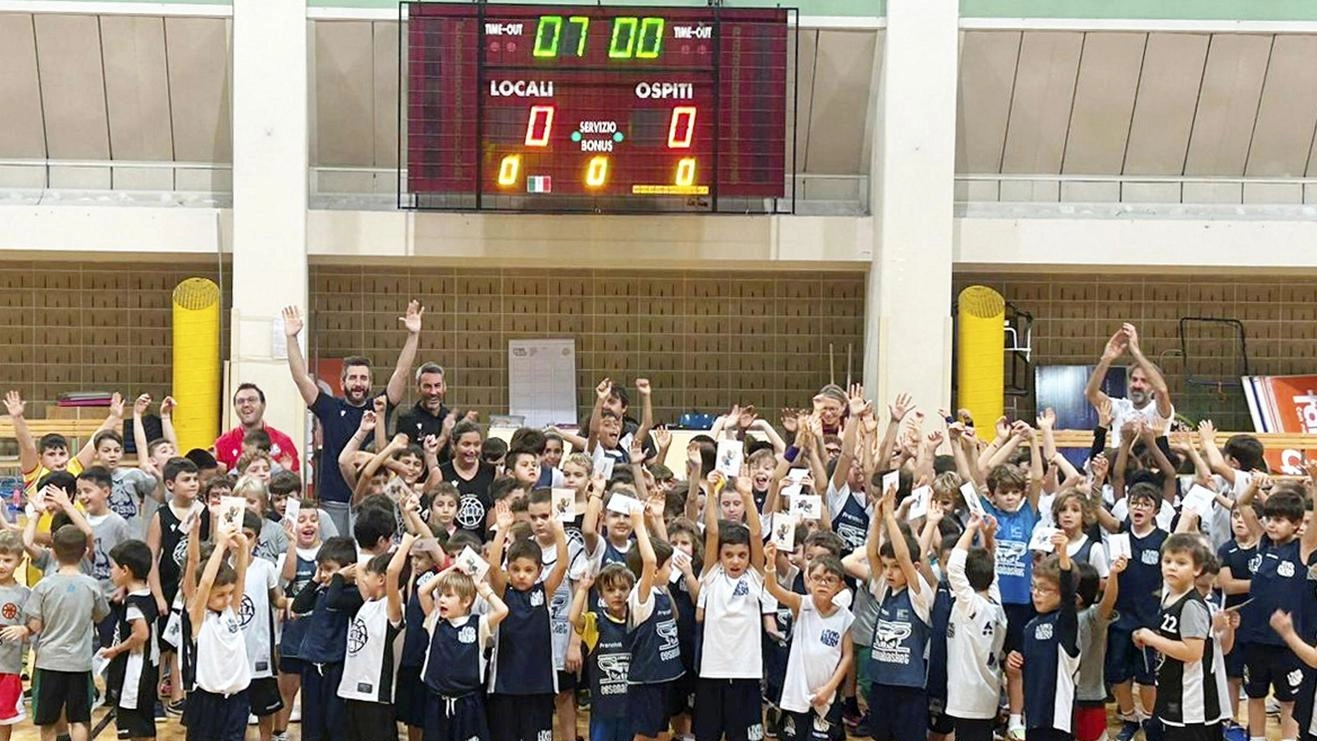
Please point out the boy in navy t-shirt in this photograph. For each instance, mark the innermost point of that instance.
(1049, 656)
(328, 608)
(522, 681)
(898, 701)
(1281, 582)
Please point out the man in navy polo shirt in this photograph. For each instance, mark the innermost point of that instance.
(340, 417)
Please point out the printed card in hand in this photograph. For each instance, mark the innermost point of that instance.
(797, 475)
(806, 506)
(1119, 545)
(920, 499)
(291, 508)
(624, 505)
(471, 564)
(784, 532)
(891, 480)
(230, 512)
(790, 491)
(564, 504)
(971, 494)
(680, 557)
(730, 455)
(1199, 500)
(604, 467)
(1042, 539)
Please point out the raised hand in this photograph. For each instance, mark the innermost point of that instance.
(1100, 466)
(167, 405)
(1119, 564)
(380, 404)
(604, 389)
(292, 321)
(1003, 428)
(1105, 414)
(141, 404)
(901, 406)
(116, 405)
(662, 436)
(368, 421)
(399, 440)
(747, 416)
(430, 444)
(412, 319)
(1047, 420)
(1116, 345)
(642, 386)
(503, 516)
(789, 419)
(14, 404)
(1131, 335)
(856, 399)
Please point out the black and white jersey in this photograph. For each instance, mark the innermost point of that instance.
(1188, 692)
(133, 674)
(257, 617)
(370, 666)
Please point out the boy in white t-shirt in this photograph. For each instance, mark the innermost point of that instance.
(729, 614)
(821, 650)
(976, 635)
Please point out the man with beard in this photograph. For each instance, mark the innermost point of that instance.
(249, 405)
(1149, 398)
(429, 416)
(340, 418)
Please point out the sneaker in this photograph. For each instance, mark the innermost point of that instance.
(251, 720)
(279, 736)
(160, 713)
(863, 728)
(1015, 734)
(176, 707)
(1273, 706)
(1236, 732)
(851, 718)
(1127, 730)
(295, 716)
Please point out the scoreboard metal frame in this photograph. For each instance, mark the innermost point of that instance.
(596, 109)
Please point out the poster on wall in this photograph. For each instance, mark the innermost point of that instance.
(1283, 404)
(542, 381)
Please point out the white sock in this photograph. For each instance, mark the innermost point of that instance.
(1257, 738)
(1017, 720)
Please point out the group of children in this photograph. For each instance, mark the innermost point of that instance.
(855, 579)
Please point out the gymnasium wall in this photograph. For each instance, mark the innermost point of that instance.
(1075, 314)
(88, 326)
(704, 339)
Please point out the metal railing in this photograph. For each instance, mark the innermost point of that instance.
(1136, 189)
(45, 181)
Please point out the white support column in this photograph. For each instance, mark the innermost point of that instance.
(270, 134)
(907, 333)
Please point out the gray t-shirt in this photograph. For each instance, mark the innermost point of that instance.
(1091, 685)
(12, 599)
(865, 609)
(129, 490)
(48, 564)
(68, 606)
(272, 540)
(110, 530)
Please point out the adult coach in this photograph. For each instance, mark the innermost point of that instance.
(428, 416)
(1149, 398)
(249, 404)
(340, 417)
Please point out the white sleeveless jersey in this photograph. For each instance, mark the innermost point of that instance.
(370, 665)
(256, 617)
(816, 646)
(221, 658)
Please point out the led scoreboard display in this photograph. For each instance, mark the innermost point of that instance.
(588, 108)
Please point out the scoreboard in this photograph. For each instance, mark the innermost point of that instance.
(596, 109)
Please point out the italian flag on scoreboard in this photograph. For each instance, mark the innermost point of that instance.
(539, 184)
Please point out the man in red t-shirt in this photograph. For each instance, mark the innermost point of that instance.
(249, 403)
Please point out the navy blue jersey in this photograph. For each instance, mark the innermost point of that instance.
(1243, 562)
(523, 650)
(655, 649)
(290, 642)
(1280, 583)
(776, 653)
(455, 665)
(851, 523)
(415, 639)
(606, 667)
(1141, 582)
(333, 606)
(940, 619)
(900, 643)
(687, 633)
(1051, 662)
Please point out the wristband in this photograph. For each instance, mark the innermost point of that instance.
(791, 453)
